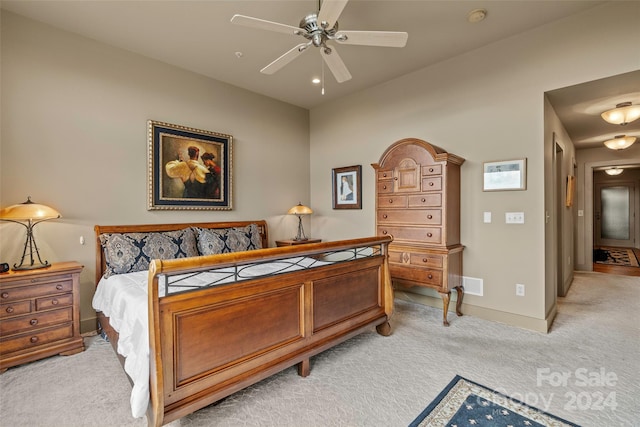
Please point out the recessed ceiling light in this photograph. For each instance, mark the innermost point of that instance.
(477, 15)
(238, 55)
(316, 80)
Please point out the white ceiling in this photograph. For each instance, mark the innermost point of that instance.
(198, 36)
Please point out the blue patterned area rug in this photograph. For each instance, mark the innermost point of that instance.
(465, 403)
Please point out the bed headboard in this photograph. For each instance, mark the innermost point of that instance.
(146, 228)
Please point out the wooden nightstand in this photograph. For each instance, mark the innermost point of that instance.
(292, 242)
(39, 313)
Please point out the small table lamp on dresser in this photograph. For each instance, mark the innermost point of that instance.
(29, 214)
(299, 210)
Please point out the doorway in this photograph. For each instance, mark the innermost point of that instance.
(614, 214)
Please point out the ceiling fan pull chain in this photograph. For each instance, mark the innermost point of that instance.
(322, 74)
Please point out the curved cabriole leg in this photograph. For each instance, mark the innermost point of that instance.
(384, 329)
(460, 291)
(446, 296)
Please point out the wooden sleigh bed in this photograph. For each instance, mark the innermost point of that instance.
(207, 342)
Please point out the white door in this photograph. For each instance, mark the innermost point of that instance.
(614, 215)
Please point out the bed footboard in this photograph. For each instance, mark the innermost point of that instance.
(209, 343)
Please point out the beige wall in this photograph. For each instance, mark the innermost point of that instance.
(485, 105)
(74, 116)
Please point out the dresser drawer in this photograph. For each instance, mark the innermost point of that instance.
(425, 200)
(416, 259)
(34, 321)
(432, 170)
(415, 216)
(27, 341)
(431, 235)
(385, 174)
(432, 184)
(385, 187)
(392, 201)
(15, 308)
(54, 302)
(424, 276)
(31, 291)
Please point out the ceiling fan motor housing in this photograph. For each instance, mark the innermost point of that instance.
(316, 33)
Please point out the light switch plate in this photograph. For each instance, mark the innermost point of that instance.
(514, 217)
(487, 217)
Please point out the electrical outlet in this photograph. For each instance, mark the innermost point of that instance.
(519, 290)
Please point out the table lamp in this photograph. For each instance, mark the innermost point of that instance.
(29, 214)
(300, 210)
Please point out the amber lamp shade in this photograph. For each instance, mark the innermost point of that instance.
(28, 214)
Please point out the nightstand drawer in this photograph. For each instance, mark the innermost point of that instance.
(54, 302)
(41, 337)
(35, 321)
(15, 308)
(23, 292)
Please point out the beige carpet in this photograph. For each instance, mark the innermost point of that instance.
(385, 381)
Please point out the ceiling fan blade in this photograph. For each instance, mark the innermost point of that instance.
(285, 59)
(336, 65)
(330, 11)
(248, 21)
(373, 38)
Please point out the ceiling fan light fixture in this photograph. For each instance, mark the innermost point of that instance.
(316, 80)
(613, 171)
(620, 142)
(624, 113)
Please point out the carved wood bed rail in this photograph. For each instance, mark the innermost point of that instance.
(210, 342)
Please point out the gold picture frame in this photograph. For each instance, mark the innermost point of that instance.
(188, 169)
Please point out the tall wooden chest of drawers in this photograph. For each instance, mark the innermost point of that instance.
(39, 313)
(418, 203)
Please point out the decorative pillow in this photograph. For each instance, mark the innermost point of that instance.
(224, 240)
(129, 252)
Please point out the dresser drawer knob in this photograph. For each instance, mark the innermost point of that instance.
(384, 231)
(423, 200)
(33, 322)
(5, 295)
(430, 169)
(430, 276)
(384, 216)
(429, 216)
(429, 234)
(9, 310)
(384, 175)
(424, 260)
(59, 287)
(390, 200)
(34, 340)
(54, 301)
(431, 184)
(384, 187)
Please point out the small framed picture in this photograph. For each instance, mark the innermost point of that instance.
(347, 187)
(505, 175)
(188, 168)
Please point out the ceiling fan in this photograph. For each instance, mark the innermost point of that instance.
(320, 28)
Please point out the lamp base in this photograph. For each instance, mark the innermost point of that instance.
(300, 236)
(30, 267)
